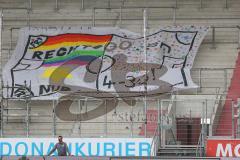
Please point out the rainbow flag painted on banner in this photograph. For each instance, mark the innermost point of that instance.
(89, 47)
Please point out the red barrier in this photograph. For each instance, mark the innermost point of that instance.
(223, 148)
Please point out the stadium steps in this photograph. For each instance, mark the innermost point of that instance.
(177, 151)
(225, 124)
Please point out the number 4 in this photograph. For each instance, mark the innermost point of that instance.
(109, 83)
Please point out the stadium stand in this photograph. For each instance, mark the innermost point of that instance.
(233, 94)
(187, 112)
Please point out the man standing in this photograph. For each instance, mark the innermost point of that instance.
(61, 148)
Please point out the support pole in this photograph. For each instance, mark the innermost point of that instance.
(213, 38)
(105, 119)
(145, 25)
(225, 80)
(28, 20)
(203, 128)
(200, 80)
(27, 119)
(109, 4)
(93, 17)
(26, 97)
(161, 126)
(1, 28)
(226, 4)
(11, 41)
(2, 109)
(238, 27)
(54, 119)
(201, 4)
(206, 119)
(120, 17)
(79, 119)
(29, 5)
(7, 99)
(56, 5)
(82, 4)
(2, 117)
(11, 37)
(158, 123)
(233, 127)
(174, 16)
(238, 118)
(2, 105)
(8, 56)
(131, 118)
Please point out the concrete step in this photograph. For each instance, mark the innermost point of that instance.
(177, 151)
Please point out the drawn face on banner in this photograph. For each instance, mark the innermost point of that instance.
(105, 66)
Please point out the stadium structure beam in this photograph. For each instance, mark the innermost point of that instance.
(82, 4)
(225, 80)
(135, 7)
(11, 36)
(1, 28)
(1, 118)
(56, 5)
(200, 80)
(226, 4)
(238, 118)
(162, 132)
(105, 119)
(120, 17)
(174, 16)
(158, 123)
(233, 119)
(27, 99)
(203, 130)
(213, 38)
(93, 17)
(145, 30)
(238, 27)
(201, 4)
(79, 110)
(53, 119)
(28, 20)
(132, 124)
(27, 120)
(29, 5)
(109, 3)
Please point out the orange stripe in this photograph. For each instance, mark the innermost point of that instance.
(77, 37)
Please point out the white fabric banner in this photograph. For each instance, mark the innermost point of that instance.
(101, 62)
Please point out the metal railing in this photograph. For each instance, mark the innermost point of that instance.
(108, 4)
(196, 113)
(155, 142)
(187, 112)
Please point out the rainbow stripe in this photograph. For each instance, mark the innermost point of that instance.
(81, 57)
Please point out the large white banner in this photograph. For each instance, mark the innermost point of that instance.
(101, 62)
(78, 146)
